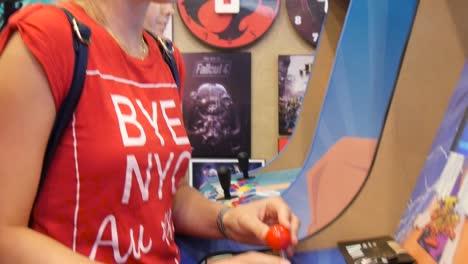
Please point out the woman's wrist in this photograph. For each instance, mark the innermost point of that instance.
(220, 221)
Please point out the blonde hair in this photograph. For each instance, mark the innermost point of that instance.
(91, 8)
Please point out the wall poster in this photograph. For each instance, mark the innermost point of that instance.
(293, 78)
(217, 103)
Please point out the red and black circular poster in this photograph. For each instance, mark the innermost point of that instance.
(228, 31)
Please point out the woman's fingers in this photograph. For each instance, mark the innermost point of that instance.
(286, 217)
(295, 224)
(283, 212)
(253, 221)
(255, 226)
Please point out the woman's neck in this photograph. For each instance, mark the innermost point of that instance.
(122, 18)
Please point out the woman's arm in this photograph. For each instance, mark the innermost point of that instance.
(248, 223)
(27, 113)
(194, 214)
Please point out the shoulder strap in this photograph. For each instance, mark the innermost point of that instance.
(81, 39)
(167, 50)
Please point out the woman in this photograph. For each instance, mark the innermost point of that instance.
(115, 190)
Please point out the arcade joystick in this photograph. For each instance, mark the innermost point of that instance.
(278, 238)
(243, 159)
(224, 176)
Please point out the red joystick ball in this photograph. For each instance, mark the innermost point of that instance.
(278, 237)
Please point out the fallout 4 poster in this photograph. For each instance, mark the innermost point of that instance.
(217, 103)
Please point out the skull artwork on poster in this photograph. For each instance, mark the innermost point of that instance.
(213, 125)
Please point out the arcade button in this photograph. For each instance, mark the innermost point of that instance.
(278, 237)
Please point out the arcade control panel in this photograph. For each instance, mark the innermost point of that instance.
(234, 189)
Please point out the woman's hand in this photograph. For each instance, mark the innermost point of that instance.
(251, 258)
(249, 223)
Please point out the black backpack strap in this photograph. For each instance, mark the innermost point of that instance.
(167, 50)
(81, 39)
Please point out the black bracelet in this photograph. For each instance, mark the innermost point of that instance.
(219, 221)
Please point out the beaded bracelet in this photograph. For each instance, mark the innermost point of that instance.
(219, 221)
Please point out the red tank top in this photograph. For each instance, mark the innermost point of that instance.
(109, 192)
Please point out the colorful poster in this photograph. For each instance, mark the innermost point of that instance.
(282, 142)
(434, 228)
(293, 78)
(217, 104)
